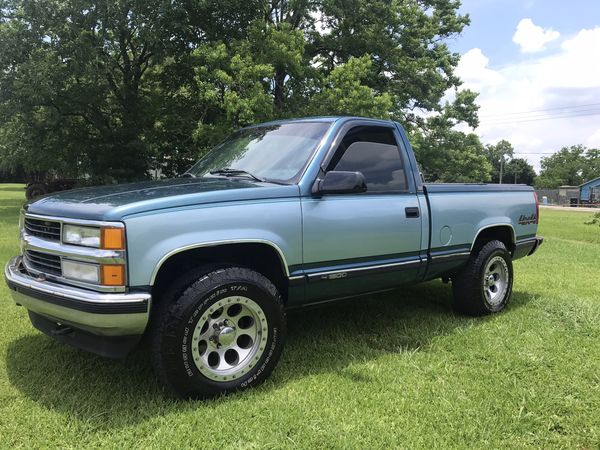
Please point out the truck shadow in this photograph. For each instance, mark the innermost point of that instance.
(116, 394)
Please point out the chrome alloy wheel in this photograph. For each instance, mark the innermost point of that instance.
(495, 280)
(229, 338)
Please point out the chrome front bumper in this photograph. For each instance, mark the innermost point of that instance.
(104, 314)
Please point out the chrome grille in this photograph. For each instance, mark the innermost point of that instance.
(45, 229)
(43, 262)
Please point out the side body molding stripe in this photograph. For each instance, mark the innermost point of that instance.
(362, 270)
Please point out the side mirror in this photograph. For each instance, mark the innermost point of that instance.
(340, 182)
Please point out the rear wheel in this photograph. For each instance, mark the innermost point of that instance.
(484, 286)
(219, 332)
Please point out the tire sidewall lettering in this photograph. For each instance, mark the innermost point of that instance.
(249, 290)
(266, 359)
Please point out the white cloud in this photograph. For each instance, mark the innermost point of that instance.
(543, 103)
(473, 69)
(533, 38)
(594, 139)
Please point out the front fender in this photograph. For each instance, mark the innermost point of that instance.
(153, 238)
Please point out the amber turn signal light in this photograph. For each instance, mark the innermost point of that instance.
(112, 275)
(112, 238)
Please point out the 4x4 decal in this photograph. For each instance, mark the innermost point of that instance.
(527, 220)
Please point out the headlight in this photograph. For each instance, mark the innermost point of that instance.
(78, 235)
(75, 270)
(107, 238)
(104, 274)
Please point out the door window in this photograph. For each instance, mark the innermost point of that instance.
(373, 151)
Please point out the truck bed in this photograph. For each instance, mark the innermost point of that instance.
(475, 187)
(455, 221)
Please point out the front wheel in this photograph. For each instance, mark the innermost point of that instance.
(222, 332)
(484, 286)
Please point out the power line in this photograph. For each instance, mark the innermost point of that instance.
(550, 114)
(571, 107)
(556, 114)
(542, 118)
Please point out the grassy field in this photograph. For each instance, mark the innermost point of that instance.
(399, 370)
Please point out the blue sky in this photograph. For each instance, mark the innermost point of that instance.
(536, 65)
(493, 23)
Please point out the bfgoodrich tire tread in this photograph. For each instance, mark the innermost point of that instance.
(191, 292)
(467, 285)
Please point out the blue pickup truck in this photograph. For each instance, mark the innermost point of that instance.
(280, 215)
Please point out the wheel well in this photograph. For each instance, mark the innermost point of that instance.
(502, 233)
(260, 257)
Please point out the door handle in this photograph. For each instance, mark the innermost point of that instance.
(412, 212)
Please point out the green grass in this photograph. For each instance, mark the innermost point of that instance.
(399, 370)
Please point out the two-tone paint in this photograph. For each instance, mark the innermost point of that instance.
(329, 246)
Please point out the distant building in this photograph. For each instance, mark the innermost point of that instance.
(568, 195)
(589, 192)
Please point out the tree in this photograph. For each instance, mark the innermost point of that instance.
(498, 156)
(446, 154)
(450, 156)
(565, 167)
(344, 92)
(519, 171)
(591, 168)
(112, 89)
(76, 98)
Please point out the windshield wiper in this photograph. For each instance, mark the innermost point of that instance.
(228, 172)
(188, 175)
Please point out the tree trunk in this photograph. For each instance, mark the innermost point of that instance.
(278, 91)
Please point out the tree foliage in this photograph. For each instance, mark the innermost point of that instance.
(594, 220)
(519, 171)
(498, 155)
(450, 156)
(571, 166)
(75, 96)
(113, 89)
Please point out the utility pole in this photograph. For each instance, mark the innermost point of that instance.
(501, 167)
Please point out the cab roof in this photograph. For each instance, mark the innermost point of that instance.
(325, 119)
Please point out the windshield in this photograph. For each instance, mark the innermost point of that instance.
(271, 152)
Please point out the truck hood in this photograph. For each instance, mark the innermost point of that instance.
(117, 201)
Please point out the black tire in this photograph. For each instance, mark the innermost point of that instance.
(35, 190)
(180, 321)
(470, 285)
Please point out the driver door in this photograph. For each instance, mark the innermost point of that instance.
(363, 242)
